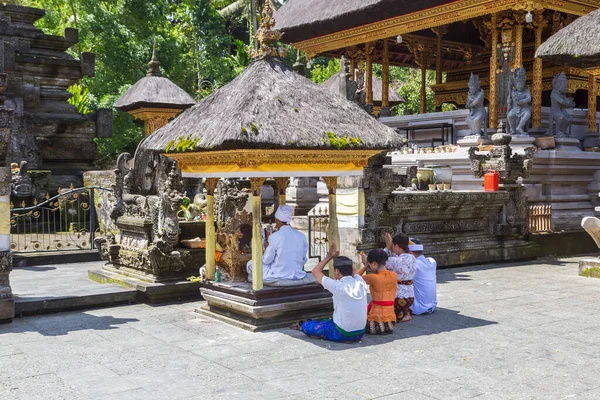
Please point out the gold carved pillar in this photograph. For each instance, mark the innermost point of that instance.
(493, 102)
(333, 232)
(385, 78)
(257, 248)
(352, 68)
(422, 55)
(282, 184)
(439, 31)
(520, 20)
(369, 72)
(539, 23)
(211, 239)
(592, 102)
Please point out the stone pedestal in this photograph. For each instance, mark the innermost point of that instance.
(7, 303)
(270, 308)
(520, 142)
(567, 144)
(591, 141)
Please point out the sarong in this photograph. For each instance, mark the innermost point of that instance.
(376, 328)
(402, 307)
(328, 330)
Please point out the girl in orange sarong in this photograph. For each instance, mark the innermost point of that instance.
(382, 284)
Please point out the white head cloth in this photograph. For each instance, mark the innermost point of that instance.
(415, 245)
(284, 214)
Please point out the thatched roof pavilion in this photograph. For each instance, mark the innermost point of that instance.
(333, 84)
(576, 45)
(154, 98)
(272, 117)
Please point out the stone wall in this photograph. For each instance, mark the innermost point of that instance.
(48, 132)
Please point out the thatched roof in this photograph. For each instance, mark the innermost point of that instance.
(306, 19)
(155, 91)
(576, 45)
(269, 106)
(333, 84)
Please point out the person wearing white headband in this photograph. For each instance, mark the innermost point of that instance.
(425, 281)
(286, 251)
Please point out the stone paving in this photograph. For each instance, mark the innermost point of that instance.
(515, 331)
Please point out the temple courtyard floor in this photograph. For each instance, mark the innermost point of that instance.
(510, 331)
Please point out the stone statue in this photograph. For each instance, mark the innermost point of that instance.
(477, 115)
(21, 183)
(560, 103)
(592, 227)
(519, 103)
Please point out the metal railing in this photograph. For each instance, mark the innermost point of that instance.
(540, 218)
(67, 221)
(318, 221)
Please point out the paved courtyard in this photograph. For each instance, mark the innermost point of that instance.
(517, 331)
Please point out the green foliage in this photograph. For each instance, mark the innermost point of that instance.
(323, 69)
(192, 44)
(80, 98)
(342, 142)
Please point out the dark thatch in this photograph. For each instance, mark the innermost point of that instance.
(306, 19)
(269, 106)
(576, 45)
(333, 84)
(155, 91)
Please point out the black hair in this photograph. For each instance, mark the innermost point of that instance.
(378, 256)
(401, 240)
(344, 265)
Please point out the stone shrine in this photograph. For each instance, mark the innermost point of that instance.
(48, 132)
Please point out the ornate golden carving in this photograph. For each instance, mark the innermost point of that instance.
(256, 185)
(528, 6)
(369, 72)
(154, 118)
(520, 19)
(385, 75)
(592, 102)
(423, 54)
(210, 185)
(539, 23)
(493, 102)
(282, 184)
(360, 158)
(445, 14)
(439, 31)
(266, 35)
(331, 182)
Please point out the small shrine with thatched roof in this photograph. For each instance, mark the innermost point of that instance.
(154, 99)
(269, 122)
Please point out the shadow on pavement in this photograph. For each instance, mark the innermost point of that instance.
(63, 324)
(442, 320)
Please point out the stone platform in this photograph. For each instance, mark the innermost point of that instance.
(149, 292)
(590, 267)
(273, 307)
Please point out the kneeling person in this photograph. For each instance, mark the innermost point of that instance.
(286, 251)
(349, 292)
(425, 281)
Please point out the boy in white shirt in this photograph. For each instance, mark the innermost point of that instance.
(349, 292)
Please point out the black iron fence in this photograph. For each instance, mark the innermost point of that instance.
(318, 221)
(67, 221)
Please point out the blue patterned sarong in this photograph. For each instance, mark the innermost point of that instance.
(328, 330)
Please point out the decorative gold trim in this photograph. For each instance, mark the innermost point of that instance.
(256, 185)
(250, 159)
(331, 182)
(282, 184)
(154, 118)
(456, 11)
(210, 185)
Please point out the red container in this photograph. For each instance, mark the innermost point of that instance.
(491, 181)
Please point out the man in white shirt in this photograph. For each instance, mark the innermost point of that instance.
(349, 292)
(425, 281)
(286, 251)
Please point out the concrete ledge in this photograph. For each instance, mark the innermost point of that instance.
(36, 306)
(153, 293)
(21, 260)
(7, 311)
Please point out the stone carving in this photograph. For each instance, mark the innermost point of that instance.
(560, 120)
(518, 103)
(21, 183)
(445, 226)
(236, 239)
(229, 199)
(477, 115)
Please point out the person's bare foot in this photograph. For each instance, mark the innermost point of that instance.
(406, 318)
(297, 326)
